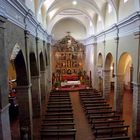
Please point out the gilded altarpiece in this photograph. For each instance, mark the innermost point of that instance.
(68, 58)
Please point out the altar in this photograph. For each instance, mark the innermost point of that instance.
(71, 77)
(70, 83)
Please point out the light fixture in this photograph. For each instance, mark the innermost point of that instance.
(74, 2)
(111, 68)
(90, 23)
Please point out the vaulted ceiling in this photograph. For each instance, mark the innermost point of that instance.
(83, 15)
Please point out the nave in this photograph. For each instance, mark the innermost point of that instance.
(83, 128)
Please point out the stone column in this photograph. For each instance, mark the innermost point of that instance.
(95, 78)
(118, 98)
(46, 67)
(47, 79)
(49, 66)
(36, 96)
(106, 83)
(5, 133)
(25, 111)
(43, 84)
(136, 110)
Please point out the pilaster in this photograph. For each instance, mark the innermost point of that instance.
(5, 133)
(118, 98)
(43, 84)
(106, 83)
(136, 110)
(37, 45)
(25, 111)
(36, 96)
(27, 46)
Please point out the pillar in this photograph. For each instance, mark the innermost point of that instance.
(25, 111)
(118, 97)
(36, 96)
(95, 78)
(43, 84)
(5, 133)
(25, 98)
(106, 83)
(136, 110)
(46, 67)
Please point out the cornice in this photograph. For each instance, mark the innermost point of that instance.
(129, 21)
(17, 13)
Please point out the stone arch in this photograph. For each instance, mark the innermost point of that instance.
(42, 63)
(35, 89)
(107, 72)
(125, 68)
(121, 95)
(18, 63)
(124, 72)
(124, 60)
(100, 60)
(46, 58)
(21, 71)
(33, 65)
(108, 61)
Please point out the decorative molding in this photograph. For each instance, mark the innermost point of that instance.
(136, 84)
(132, 23)
(17, 13)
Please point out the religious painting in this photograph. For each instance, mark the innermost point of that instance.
(70, 53)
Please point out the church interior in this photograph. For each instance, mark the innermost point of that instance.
(69, 69)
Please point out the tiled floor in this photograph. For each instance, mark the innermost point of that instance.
(127, 108)
(83, 129)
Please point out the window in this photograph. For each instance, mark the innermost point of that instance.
(125, 1)
(99, 18)
(109, 8)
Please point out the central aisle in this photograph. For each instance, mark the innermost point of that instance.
(83, 129)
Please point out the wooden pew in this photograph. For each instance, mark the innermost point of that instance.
(59, 110)
(59, 106)
(95, 105)
(93, 102)
(59, 115)
(53, 97)
(91, 95)
(57, 96)
(115, 138)
(100, 112)
(107, 123)
(58, 120)
(98, 108)
(59, 93)
(115, 130)
(60, 125)
(59, 103)
(58, 134)
(59, 100)
(92, 99)
(93, 118)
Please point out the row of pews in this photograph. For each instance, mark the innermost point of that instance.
(58, 122)
(104, 122)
